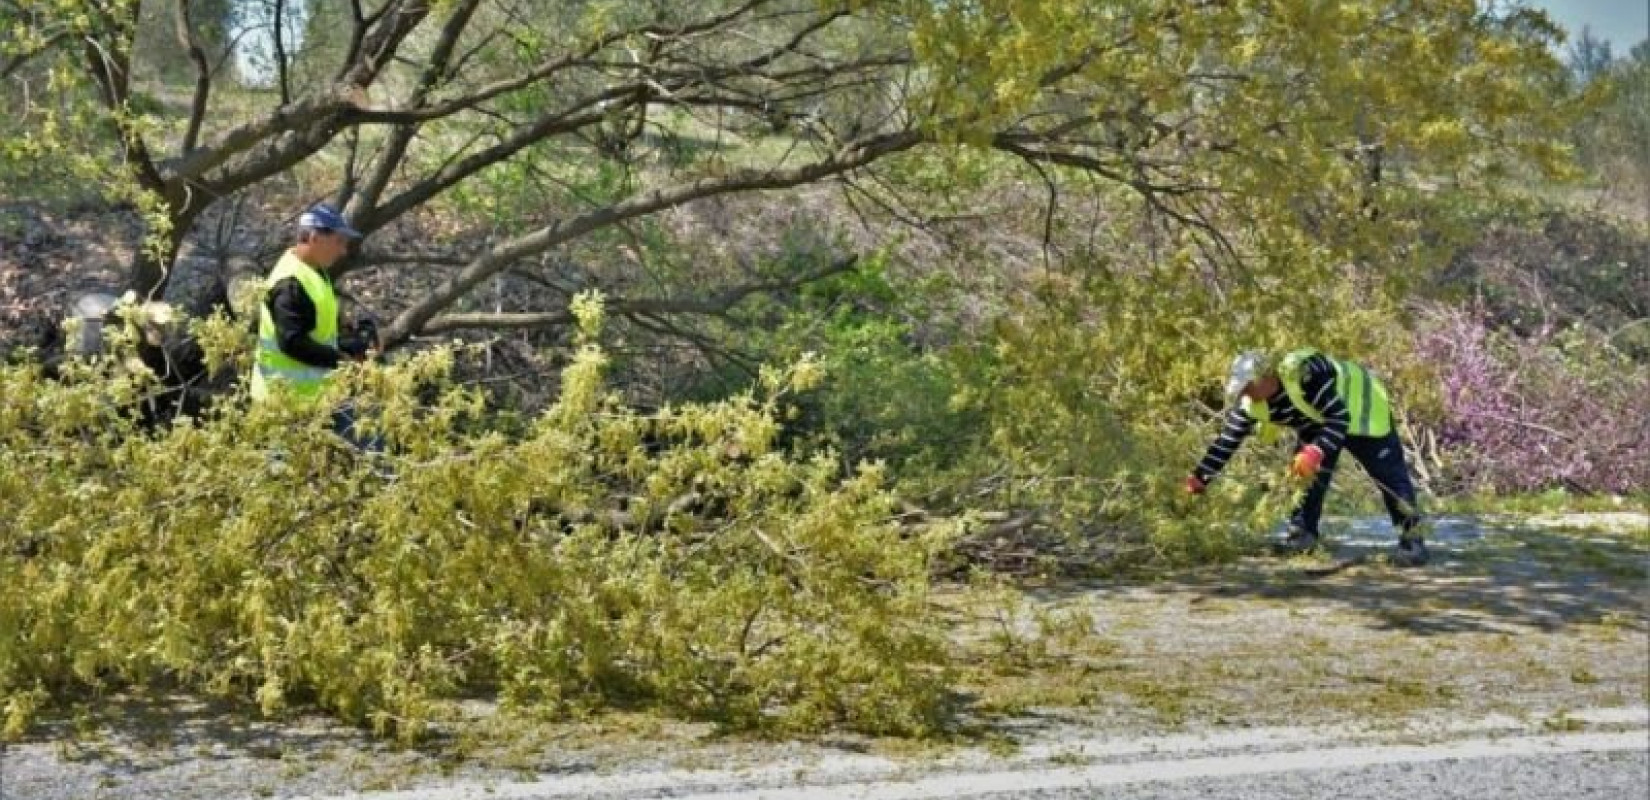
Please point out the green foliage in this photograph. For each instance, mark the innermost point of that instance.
(1288, 116)
(1610, 138)
(886, 392)
(1285, 122)
(1102, 394)
(886, 395)
(55, 135)
(1447, 67)
(675, 560)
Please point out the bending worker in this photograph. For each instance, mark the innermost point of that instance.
(298, 338)
(1332, 405)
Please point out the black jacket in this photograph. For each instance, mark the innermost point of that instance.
(294, 316)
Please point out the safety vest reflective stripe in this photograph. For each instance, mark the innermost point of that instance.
(294, 374)
(1356, 394)
(272, 345)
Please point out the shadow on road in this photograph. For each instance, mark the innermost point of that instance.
(1484, 577)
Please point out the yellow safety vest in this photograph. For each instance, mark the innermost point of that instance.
(275, 368)
(1367, 406)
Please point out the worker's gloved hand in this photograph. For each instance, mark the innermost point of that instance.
(367, 329)
(1194, 484)
(1307, 462)
(360, 342)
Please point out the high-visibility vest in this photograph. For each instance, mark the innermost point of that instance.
(1368, 408)
(277, 369)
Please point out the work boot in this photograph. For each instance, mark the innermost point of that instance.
(1297, 542)
(1411, 552)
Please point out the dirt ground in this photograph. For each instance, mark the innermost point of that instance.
(1526, 616)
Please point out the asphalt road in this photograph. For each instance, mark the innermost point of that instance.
(1608, 757)
(1602, 776)
(1578, 765)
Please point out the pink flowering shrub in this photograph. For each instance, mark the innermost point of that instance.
(1555, 409)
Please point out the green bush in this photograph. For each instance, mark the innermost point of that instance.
(674, 560)
(887, 387)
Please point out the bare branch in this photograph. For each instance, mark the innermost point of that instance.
(319, 116)
(795, 41)
(1049, 208)
(590, 110)
(278, 156)
(278, 38)
(357, 33)
(203, 76)
(382, 41)
(1066, 158)
(109, 63)
(238, 140)
(706, 345)
(527, 135)
(859, 154)
(642, 307)
(395, 150)
(352, 175)
(551, 68)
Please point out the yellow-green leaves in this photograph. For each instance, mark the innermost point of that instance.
(588, 311)
(678, 560)
(1265, 100)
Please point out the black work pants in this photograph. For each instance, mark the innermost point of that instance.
(1381, 457)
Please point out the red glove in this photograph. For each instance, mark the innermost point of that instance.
(1194, 484)
(1307, 461)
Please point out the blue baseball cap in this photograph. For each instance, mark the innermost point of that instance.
(322, 217)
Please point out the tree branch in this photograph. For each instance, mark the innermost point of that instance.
(795, 41)
(1016, 146)
(643, 307)
(859, 154)
(357, 33)
(319, 116)
(109, 64)
(278, 37)
(395, 150)
(203, 76)
(382, 41)
(242, 138)
(17, 61)
(452, 173)
(550, 68)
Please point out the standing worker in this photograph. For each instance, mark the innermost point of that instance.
(1332, 405)
(298, 337)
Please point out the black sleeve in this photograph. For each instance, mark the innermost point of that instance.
(1237, 427)
(353, 345)
(356, 342)
(1318, 385)
(294, 317)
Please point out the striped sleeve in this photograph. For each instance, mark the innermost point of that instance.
(1237, 427)
(1318, 386)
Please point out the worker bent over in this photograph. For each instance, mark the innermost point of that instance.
(1332, 405)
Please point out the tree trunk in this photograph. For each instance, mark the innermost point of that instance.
(151, 272)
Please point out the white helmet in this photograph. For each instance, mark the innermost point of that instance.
(1249, 365)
